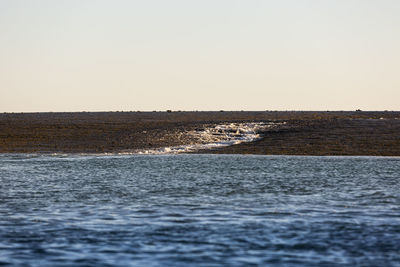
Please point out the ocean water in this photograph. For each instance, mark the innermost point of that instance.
(199, 210)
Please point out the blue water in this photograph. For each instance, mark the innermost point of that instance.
(204, 210)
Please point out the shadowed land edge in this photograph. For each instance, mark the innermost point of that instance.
(375, 133)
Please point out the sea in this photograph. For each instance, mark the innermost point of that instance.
(199, 210)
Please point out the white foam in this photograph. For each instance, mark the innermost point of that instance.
(221, 135)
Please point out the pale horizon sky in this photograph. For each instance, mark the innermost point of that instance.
(97, 55)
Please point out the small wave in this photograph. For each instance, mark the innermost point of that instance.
(220, 135)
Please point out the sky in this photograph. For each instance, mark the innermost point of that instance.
(128, 55)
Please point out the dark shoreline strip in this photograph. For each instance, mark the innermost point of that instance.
(306, 133)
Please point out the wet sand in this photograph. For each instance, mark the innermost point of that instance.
(305, 133)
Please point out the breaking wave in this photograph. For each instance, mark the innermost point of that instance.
(220, 135)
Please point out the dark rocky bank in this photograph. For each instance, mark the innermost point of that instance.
(305, 133)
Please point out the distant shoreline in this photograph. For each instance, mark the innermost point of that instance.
(369, 133)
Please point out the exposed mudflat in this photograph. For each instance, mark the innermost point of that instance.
(293, 133)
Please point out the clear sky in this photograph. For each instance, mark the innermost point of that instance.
(98, 55)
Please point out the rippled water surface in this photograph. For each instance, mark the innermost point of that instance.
(203, 210)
